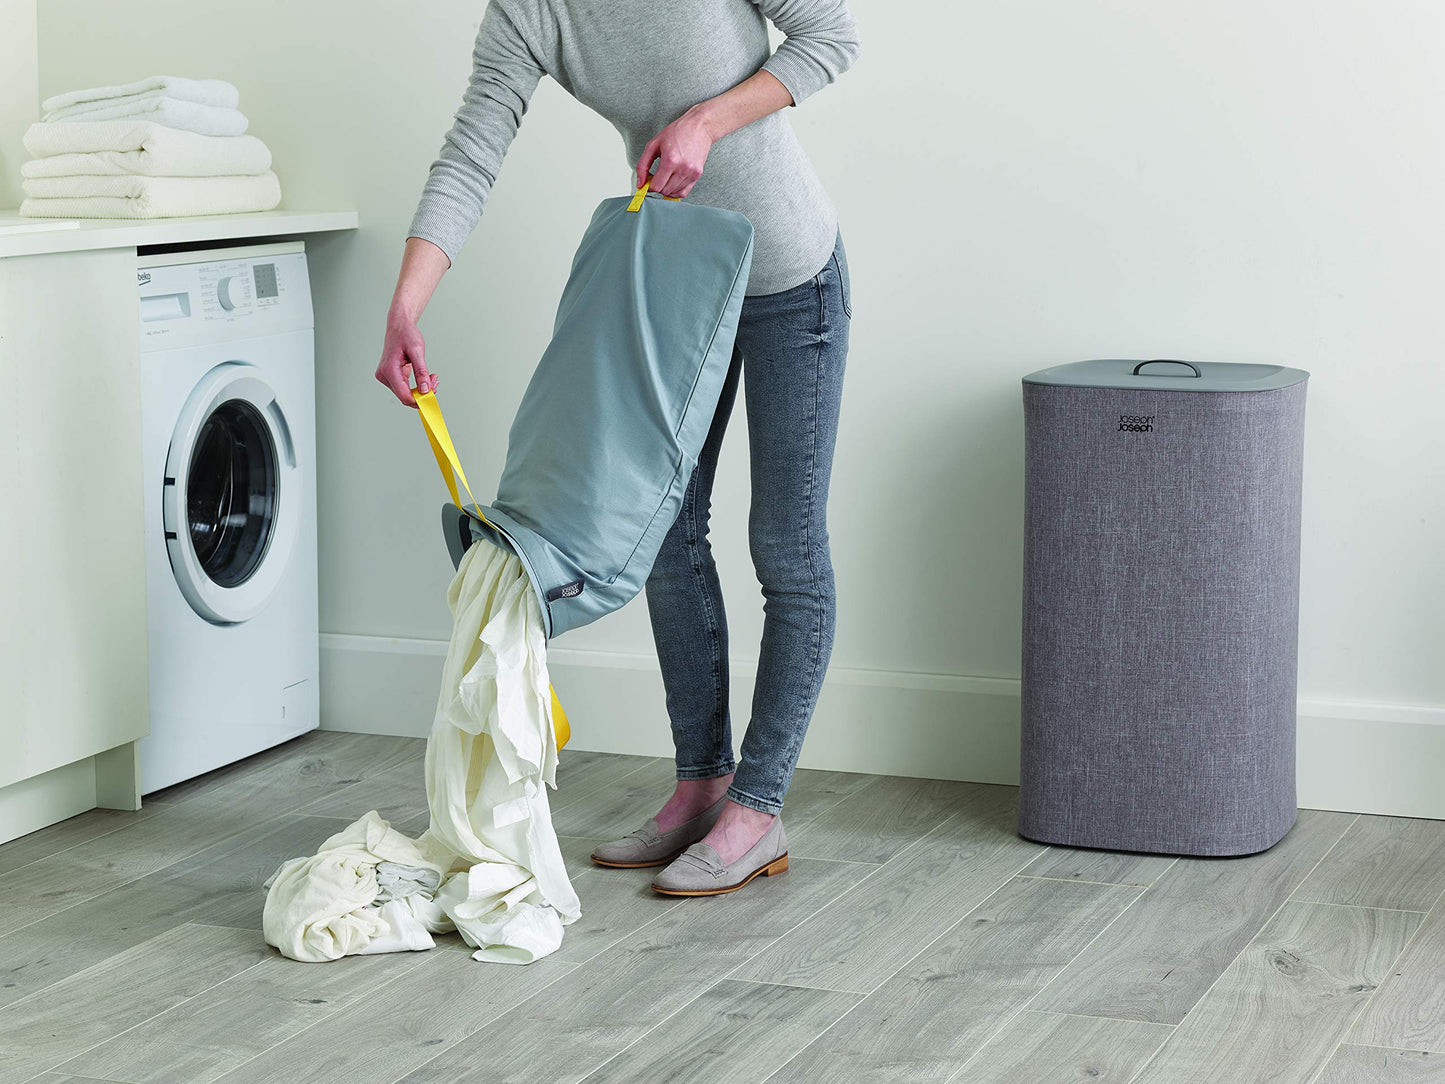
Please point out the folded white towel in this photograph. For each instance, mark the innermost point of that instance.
(148, 197)
(206, 91)
(112, 147)
(190, 116)
(126, 106)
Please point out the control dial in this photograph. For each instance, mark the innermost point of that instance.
(231, 292)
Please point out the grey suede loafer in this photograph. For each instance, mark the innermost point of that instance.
(699, 871)
(649, 847)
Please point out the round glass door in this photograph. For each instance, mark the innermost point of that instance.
(231, 496)
(232, 499)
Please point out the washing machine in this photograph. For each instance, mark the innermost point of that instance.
(229, 433)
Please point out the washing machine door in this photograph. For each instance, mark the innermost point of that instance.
(232, 500)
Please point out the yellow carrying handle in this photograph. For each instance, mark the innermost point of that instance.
(560, 726)
(444, 450)
(451, 468)
(636, 204)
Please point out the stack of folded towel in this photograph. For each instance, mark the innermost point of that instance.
(160, 148)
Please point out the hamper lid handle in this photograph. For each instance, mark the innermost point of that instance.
(636, 204)
(1166, 361)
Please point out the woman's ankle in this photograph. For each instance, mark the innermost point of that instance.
(689, 798)
(737, 830)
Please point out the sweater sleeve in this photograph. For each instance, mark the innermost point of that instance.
(504, 75)
(821, 42)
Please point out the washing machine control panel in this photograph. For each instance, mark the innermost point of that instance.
(238, 296)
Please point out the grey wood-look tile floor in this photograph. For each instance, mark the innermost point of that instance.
(916, 937)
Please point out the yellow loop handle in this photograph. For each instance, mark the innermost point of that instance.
(451, 468)
(445, 451)
(560, 726)
(636, 204)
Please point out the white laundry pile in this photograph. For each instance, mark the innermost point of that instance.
(160, 148)
(489, 865)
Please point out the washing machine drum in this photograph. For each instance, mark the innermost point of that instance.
(613, 421)
(232, 494)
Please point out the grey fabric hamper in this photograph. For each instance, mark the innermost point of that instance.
(1161, 588)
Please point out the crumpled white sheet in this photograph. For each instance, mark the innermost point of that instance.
(491, 848)
(395, 881)
(324, 906)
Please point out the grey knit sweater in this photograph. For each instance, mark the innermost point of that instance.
(641, 65)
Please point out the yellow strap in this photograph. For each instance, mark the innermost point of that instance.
(636, 204)
(445, 451)
(451, 468)
(560, 726)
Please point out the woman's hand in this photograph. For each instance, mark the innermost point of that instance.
(683, 145)
(680, 150)
(404, 355)
(404, 352)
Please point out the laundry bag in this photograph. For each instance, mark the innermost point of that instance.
(612, 423)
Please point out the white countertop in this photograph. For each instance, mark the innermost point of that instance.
(95, 233)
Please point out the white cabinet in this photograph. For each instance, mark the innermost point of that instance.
(72, 574)
(73, 669)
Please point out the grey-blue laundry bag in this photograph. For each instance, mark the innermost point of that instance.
(614, 418)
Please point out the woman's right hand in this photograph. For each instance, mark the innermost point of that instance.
(403, 355)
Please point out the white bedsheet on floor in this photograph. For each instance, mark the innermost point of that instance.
(491, 755)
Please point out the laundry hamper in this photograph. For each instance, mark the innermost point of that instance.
(1161, 588)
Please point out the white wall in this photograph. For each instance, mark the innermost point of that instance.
(19, 91)
(1020, 184)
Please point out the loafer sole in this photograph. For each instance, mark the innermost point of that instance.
(777, 865)
(663, 861)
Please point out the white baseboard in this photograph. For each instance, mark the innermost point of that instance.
(1358, 757)
(1372, 758)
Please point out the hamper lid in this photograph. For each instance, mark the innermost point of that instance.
(1163, 374)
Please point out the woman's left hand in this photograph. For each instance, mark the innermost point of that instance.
(680, 151)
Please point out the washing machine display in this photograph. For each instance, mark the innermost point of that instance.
(266, 286)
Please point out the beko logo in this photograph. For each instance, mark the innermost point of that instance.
(1136, 423)
(142, 277)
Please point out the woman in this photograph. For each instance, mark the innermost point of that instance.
(697, 98)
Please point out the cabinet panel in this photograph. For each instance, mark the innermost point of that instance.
(72, 575)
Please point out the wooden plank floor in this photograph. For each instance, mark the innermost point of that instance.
(916, 937)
